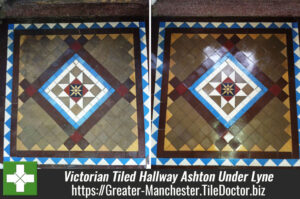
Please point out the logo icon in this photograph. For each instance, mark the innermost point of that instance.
(19, 178)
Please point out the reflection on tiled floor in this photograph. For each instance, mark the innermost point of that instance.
(226, 96)
(77, 96)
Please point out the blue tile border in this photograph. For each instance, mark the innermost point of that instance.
(77, 161)
(293, 26)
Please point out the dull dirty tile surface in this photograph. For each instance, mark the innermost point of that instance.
(78, 95)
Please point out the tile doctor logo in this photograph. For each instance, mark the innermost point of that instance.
(20, 178)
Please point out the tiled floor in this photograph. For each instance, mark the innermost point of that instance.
(77, 95)
(225, 94)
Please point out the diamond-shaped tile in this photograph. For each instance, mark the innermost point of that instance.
(76, 91)
(228, 90)
(228, 136)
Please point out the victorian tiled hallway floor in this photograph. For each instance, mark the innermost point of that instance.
(77, 93)
(225, 92)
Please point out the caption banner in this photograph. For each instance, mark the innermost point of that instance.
(172, 183)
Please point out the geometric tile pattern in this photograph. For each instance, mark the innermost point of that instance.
(105, 135)
(275, 44)
(209, 136)
(42, 50)
(261, 135)
(76, 90)
(192, 133)
(35, 135)
(228, 89)
(253, 135)
(118, 45)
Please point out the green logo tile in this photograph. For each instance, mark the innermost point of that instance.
(19, 178)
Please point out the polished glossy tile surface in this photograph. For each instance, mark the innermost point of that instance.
(77, 93)
(226, 93)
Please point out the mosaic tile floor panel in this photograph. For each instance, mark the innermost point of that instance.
(225, 94)
(77, 94)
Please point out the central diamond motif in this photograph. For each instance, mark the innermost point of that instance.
(76, 91)
(228, 90)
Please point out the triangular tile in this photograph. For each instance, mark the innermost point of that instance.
(103, 148)
(213, 148)
(117, 148)
(49, 148)
(134, 146)
(168, 146)
(241, 148)
(89, 148)
(62, 148)
(76, 148)
(185, 148)
(227, 148)
(216, 99)
(270, 149)
(255, 148)
(175, 36)
(287, 147)
(198, 148)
